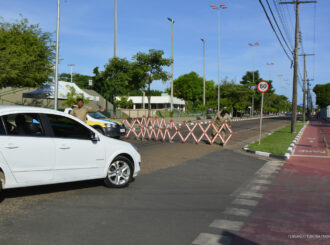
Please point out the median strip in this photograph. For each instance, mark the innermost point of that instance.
(279, 144)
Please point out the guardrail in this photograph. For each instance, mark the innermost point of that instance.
(155, 129)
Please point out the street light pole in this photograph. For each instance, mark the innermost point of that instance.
(57, 53)
(203, 40)
(219, 79)
(172, 65)
(115, 30)
(253, 64)
(221, 6)
(71, 65)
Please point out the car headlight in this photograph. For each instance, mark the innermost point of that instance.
(110, 125)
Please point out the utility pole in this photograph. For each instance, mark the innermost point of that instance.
(71, 65)
(295, 69)
(304, 87)
(203, 40)
(115, 34)
(309, 97)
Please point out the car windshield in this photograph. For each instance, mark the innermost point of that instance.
(97, 115)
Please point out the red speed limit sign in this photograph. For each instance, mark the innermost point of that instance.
(263, 86)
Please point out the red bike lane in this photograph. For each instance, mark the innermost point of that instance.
(296, 207)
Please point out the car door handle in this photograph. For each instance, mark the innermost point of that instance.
(64, 147)
(11, 146)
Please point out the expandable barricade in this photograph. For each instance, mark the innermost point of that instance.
(155, 129)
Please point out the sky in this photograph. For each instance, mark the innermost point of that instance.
(87, 36)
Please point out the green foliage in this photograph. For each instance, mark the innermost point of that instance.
(72, 98)
(113, 80)
(124, 102)
(149, 67)
(26, 54)
(190, 88)
(322, 92)
(278, 142)
(159, 114)
(140, 93)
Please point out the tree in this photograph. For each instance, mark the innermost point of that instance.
(124, 102)
(72, 98)
(26, 54)
(114, 79)
(149, 67)
(235, 97)
(322, 92)
(190, 88)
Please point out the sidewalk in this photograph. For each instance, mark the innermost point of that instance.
(296, 207)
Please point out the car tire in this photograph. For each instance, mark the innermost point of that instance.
(117, 137)
(119, 173)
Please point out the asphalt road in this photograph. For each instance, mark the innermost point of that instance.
(181, 190)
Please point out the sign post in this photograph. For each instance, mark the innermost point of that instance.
(262, 87)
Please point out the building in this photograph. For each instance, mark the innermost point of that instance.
(162, 102)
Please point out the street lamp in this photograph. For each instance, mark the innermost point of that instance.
(115, 31)
(253, 64)
(218, 8)
(172, 66)
(57, 53)
(203, 40)
(71, 65)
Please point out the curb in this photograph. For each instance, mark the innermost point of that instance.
(265, 154)
(287, 154)
(295, 141)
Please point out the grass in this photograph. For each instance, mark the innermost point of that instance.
(278, 142)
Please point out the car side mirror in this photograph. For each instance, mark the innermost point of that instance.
(94, 137)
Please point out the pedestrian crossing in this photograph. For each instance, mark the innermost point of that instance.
(246, 198)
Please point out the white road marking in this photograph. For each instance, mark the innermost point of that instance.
(245, 194)
(227, 224)
(312, 151)
(262, 181)
(240, 201)
(258, 188)
(237, 211)
(313, 156)
(212, 239)
(250, 194)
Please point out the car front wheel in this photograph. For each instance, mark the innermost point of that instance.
(119, 173)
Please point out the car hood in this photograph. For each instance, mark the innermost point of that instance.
(106, 120)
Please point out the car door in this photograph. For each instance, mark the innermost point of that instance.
(78, 157)
(29, 153)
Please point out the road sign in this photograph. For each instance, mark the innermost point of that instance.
(263, 86)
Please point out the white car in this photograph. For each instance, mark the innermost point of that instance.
(41, 146)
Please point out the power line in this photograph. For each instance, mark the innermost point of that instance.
(285, 26)
(271, 11)
(314, 40)
(271, 24)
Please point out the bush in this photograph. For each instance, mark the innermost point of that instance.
(159, 114)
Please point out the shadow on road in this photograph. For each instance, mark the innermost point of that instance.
(47, 189)
(235, 239)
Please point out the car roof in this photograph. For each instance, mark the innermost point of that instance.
(7, 109)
